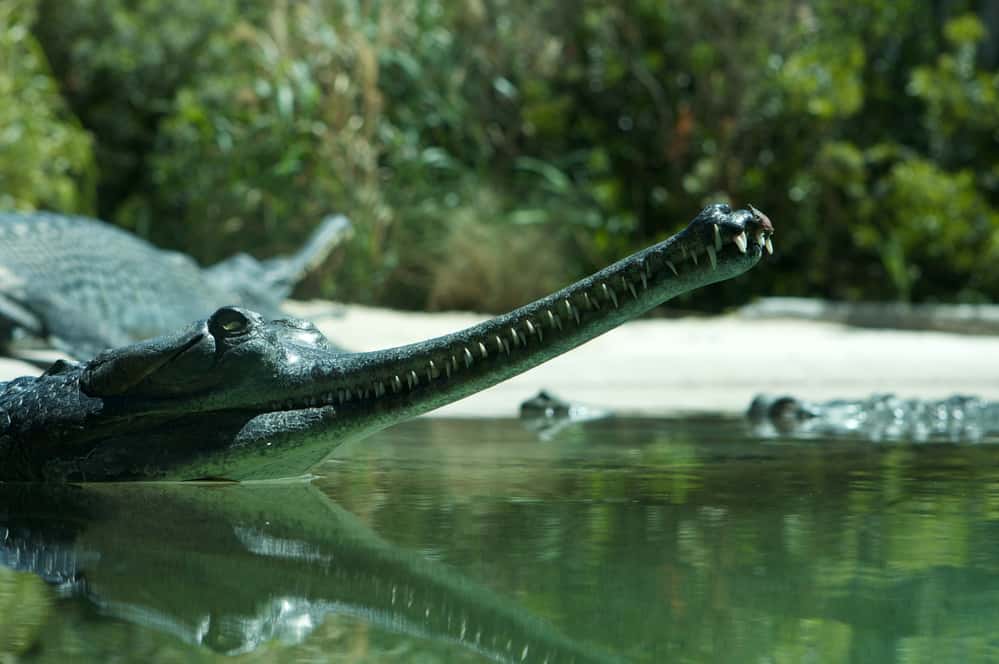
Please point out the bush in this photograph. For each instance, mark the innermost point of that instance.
(445, 129)
(46, 159)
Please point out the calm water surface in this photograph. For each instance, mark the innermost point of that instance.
(469, 541)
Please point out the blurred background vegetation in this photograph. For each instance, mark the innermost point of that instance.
(491, 150)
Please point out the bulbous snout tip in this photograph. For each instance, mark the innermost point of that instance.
(762, 219)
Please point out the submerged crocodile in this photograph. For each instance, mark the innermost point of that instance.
(83, 285)
(547, 415)
(239, 397)
(880, 417)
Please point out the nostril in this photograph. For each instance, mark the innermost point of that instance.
(763, 219)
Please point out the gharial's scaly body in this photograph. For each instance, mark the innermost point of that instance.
(238, 397)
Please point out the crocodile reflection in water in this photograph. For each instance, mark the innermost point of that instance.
(233, 567)
(239, 397)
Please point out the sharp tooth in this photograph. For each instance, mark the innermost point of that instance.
(693, 257)
(499, 344)
(590, 304)
(610, 294)
(413, 378)
(645, 281)
(447, 368)
(718, 240)
(468, 357)
(761, 238)
(630, 287)
(396, 383)
(770, 247)
(672, 267)
(535, 329)
(515, 337)
(741, 241)
(712, 257)
(554, 320)
(431, 370)
(571, 311)
(483, 351)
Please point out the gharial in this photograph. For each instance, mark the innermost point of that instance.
(239, 397)
(82, 285)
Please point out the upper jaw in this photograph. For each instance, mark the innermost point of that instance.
(762, 229)
(747, 230)
(721, 238)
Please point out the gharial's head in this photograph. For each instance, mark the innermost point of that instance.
(234, 358)
(213, 400)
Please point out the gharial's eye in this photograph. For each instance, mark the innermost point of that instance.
(230, 321)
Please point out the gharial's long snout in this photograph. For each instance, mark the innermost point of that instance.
(400, 382)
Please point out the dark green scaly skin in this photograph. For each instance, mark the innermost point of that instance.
(241, 398)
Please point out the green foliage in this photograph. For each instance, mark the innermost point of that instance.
(46, 159)
(258, 152)
(825, 78)
(929, 219)
(962, 102)
(452, 131)
(120, 64)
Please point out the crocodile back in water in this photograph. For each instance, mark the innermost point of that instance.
(84, 285)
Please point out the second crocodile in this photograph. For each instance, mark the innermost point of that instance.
(83, 285)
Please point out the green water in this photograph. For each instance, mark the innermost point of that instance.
(469, 541)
